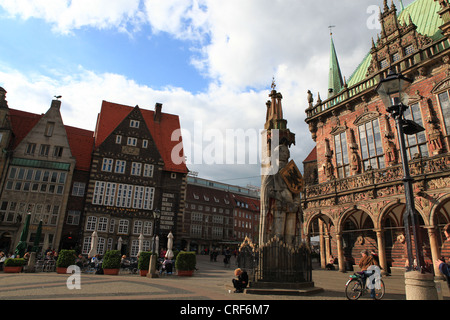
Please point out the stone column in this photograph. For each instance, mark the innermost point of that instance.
(439, 281)
(323, 258)
(341, 257)
(435, 250)
(327, 246)
(381, 251)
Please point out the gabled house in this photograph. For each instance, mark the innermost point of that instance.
(137, 179)
(38, 174)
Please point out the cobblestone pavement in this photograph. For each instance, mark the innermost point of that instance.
(210, 282)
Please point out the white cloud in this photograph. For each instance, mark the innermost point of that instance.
(237, 44)
(67, 15)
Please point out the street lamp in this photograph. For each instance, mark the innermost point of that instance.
(392, 91)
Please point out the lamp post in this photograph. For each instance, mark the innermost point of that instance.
(392, 92)
(156, 216)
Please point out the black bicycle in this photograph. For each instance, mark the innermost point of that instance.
(355, 287)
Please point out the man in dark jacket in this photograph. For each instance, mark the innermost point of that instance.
(241, 282)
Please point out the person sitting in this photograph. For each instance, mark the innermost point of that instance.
(331, 263)
(242, 280)
(167, 266)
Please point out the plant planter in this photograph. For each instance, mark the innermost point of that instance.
(111, 271)
(185, 273)
(61, 270)
(12, 269)
(143, 273)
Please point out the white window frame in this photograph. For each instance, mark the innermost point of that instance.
(132, 141)
(102, 224)
(91, 223)
(148, 170)
(107, 164)
(136, 168)
(120, 166)
(123, 227)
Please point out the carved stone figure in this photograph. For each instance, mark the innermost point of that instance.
(280, 199)
(280, 207)
(435, 139)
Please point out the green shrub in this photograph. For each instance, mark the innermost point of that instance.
(186, 261)
(144, 260)
(66, 258)
(111, 260)
(14, 262)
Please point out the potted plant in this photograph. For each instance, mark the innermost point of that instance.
(185, 263)
(111, 262)
(65, 259)
(144, 262)
(13, 265)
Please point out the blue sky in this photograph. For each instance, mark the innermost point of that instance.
(156, 60)
(210, 62)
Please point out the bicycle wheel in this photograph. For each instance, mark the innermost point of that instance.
(379, 293)
(353, 289)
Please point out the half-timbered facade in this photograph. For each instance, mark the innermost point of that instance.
(135, 185)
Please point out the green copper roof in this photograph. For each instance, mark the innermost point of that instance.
(335, 82)
(424, 15)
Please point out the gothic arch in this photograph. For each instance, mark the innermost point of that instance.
(318, 215)
(359, 220)
(436, 208)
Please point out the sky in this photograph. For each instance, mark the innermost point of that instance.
(210, 62)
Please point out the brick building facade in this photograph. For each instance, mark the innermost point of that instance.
(357, 200)
(218, 215)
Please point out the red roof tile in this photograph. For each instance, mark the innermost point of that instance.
(81, 145)
(253, 203)
(112, 114)
(312, 156)
(21, 123)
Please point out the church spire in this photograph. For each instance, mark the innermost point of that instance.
(335, 82)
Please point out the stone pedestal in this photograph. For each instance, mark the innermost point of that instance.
(31, 262)
(152, 268)
(420, 286)
(278, 288)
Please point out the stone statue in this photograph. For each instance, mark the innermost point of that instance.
(280, 188)
(435, 139)
(280, 207)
